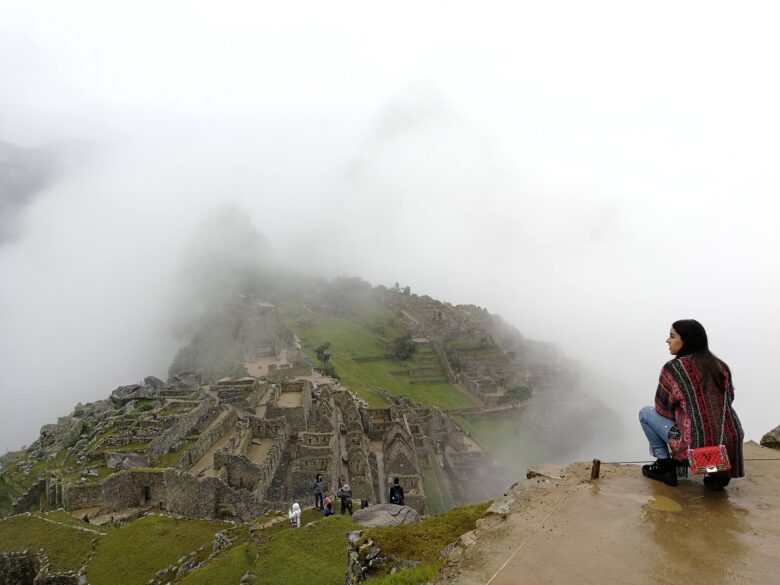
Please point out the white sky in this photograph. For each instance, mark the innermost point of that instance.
(590, 171)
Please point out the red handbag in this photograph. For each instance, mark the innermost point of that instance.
(711, 459)
(708, 459)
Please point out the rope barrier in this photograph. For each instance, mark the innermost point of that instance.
(564, 498)
(538, 528)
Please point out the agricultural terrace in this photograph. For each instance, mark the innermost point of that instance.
(350, 339)
(66, 545)
(135, 552)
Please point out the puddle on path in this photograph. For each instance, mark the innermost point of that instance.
(665, 504)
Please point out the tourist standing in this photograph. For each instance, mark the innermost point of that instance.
(397, 493)
(345, 495)
(295, 515)
(319, 491)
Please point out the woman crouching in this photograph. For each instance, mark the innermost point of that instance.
(692, 409)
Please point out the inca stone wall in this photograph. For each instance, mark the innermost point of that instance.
(76, 496)
(18, 568)
(316, 453)
(240, 472)
(268, 427)
(169, 490)
(179, 430)
(297, 416)
(224, 421)
(30, 499)
(277, 373)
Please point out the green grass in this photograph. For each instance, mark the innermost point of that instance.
(143, 406)
(18, 482)
(315, 554)
(414, 576)
(64, 517)
(134, 553)
(103, 473)
(66, 547)
(228, 567)
(5, 497)
(171, 458)
(350, 339)
(425, 540)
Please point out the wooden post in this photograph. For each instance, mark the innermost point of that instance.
(595, 469)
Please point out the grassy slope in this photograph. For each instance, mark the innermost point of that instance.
(67, 547)
(423, 542)
(316, 553)
(312, 555)
(134, 553)
(228, 567)
(350, 339)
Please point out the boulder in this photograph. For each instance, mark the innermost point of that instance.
(65, 433)
(547, 471)
(772, 438)
(135, 460)
(125, 394)
(154, 383)
(383, 515)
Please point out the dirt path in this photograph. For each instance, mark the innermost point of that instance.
(626, 529)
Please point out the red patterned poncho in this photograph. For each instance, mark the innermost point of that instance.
(697, 407)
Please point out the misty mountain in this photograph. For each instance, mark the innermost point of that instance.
(26, 173)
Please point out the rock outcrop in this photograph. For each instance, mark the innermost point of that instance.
(772, 438)
(384, 515)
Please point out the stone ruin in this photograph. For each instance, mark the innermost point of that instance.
(464, 339)
(239, 448)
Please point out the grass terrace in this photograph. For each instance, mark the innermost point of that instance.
(172, 457)
(350, 339)
(66, 546)
(135, 552)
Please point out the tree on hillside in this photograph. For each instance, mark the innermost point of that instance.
(515, 395)
(403, 348)
(323, 354)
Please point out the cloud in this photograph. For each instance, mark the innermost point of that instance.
(591, 173)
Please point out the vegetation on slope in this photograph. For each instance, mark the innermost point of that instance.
(351, 339)
(312, 555)
(66, 546)
(425, 540)
(135, 552)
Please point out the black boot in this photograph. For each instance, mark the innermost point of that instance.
(664, 470)
(716, 481)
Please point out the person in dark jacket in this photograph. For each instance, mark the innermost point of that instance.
(319, 490)
(397, 493)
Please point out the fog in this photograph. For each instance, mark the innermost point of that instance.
(589, 172)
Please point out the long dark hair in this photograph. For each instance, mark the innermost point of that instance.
(695, 344)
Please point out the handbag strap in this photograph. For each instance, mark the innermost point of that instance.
(726, 406)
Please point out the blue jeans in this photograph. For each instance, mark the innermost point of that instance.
(656, 428)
